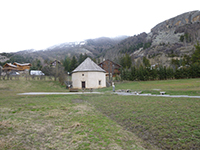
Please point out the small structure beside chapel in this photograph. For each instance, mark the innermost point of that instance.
(110, 67)
(88, 75)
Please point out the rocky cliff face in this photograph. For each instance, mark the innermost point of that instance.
(170, 39)
(174, 38)
(180, 20)
(170, 30)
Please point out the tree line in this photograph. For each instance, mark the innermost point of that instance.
(135, 47)
(63, 68)
(187, 67)
(70, 64)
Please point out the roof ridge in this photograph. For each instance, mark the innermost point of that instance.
(88, 65)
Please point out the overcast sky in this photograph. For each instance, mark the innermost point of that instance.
(38, 24)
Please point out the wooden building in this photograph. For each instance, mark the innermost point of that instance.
(22, 67)
(88, 75)
(10, 67)
(55, 62)
(110, 67)
(16, 67)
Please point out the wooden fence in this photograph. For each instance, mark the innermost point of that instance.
(26, 77)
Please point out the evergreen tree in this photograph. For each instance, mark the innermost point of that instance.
(66, 64)
(133, 74)
(146, 73)
(140, 73)
(36, 65)
(82, 58)
(125, 74)
(73, 63)
(196, 55)
(146, 62)
(177, 74)
(126, 61)
(20, 59)
(175, 62)
(153, 74)
(186, 60)
(169, 73)
(181, 73)
(161, 72)
(194, 70)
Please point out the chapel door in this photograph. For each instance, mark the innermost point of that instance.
(83, 84)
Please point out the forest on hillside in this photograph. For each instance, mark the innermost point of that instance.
(186, 67)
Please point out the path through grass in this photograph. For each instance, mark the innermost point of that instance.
(55, 121)
(173, 87)
(106, 121)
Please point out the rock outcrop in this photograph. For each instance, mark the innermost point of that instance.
(170, 39)
(180, 20)
(171, 30)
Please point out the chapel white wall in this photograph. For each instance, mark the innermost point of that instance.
(91, 79)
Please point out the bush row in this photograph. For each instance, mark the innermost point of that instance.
(160, 73)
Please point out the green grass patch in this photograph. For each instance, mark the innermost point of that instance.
(55, 121)
(172, 87)
(168, 123)
(105, 121)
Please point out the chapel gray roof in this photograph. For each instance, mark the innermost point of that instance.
(88, 65)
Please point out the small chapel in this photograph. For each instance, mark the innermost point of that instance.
(88, 75)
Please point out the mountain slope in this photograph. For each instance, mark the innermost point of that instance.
(91, 47)
(174, 38)
(98, 46)
(170, 39)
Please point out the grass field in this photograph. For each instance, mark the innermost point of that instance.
(55, 121)
(173, 87)
(105, 121)
(169, 123)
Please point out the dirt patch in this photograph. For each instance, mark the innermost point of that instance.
(5, 124)
(77, 101)
(4, 89)
(76, 125)
(52, 114)
(114, 146)
(156, 89)
(82, 109)
(3, 110)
